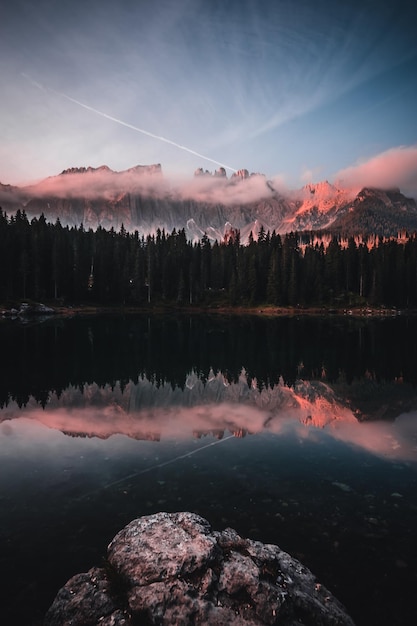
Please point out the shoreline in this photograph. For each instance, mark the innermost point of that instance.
(34, 310)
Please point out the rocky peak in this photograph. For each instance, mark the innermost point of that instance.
(220, 173)
(320, 190)
(243, 174)
(388, 197)
(321, 198)
(86, 170)
(155, 168)
(200, 172)
(6, 187)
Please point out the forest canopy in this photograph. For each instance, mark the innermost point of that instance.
(49, 262)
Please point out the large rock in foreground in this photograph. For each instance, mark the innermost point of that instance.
(171, 568)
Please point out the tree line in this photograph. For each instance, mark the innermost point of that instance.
(166, 348)
(48, 262)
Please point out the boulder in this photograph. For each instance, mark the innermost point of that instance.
(172, 568)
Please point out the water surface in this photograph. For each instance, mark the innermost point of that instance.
(300, 432)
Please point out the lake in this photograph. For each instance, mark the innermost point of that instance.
(295, 431)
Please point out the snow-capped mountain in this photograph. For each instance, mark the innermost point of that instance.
(141, 199)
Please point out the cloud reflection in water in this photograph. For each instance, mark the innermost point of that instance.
(214, 406)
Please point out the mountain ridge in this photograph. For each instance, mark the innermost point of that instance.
(141, 199)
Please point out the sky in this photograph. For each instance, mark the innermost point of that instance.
(300, 91)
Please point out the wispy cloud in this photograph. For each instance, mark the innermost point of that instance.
(396, 167)
(266, 86)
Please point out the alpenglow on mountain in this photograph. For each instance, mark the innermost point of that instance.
(141, 199)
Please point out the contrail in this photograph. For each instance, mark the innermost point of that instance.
(127, 125)
(152, 467)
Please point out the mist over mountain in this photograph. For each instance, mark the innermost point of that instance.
(141, 198)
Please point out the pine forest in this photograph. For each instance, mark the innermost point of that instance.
(47, 262)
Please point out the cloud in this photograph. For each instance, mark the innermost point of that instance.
(309, 175)
(108, 412)
(102, 182)
(396, 167)
(226, 191)
(391, 440)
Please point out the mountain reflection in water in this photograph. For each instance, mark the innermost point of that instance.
(299, 432)
(149, 411)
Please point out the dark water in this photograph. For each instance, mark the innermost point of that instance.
(300, 432)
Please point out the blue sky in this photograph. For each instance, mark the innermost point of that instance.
(300, 91)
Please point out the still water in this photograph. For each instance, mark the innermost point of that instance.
(300, 432)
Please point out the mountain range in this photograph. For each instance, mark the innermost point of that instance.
(141, 199)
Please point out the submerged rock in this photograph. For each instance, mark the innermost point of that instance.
(172, 568)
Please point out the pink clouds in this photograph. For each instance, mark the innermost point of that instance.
(396, 167)
(226, 191)
(102, 182)
(389, 440)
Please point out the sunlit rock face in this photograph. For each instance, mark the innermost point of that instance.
(172, 568)
(141, 199)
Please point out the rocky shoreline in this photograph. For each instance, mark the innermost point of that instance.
(24, 310)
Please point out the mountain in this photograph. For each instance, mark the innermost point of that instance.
(11, 198)
(317, 206)
(141, 410)
(141, 199)
(376, 211)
